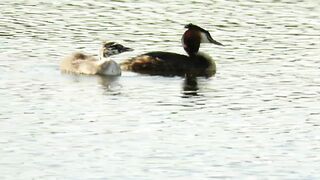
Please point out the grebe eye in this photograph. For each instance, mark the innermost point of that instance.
(188, 25)
(108, 44)
(119, 46)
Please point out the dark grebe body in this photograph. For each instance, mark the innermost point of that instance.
(173, 64)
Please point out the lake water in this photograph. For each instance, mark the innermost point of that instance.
(257, 118)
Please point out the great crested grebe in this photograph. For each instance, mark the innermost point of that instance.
(81, 63)
(171, 64)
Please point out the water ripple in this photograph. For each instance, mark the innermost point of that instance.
(257, 118)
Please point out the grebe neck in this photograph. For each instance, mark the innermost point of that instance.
(191, 40)
(101, 54)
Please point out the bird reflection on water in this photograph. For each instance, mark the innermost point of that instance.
(190, 85)
(110, 83)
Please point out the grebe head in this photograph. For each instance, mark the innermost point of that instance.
(112, 48)
(195, 35)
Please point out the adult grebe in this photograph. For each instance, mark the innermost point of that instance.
(171, 64)
(81, 63)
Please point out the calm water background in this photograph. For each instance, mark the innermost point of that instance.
(257, 118)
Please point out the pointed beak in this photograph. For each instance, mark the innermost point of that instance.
(216, 42)
(211, 40)
(125, 49)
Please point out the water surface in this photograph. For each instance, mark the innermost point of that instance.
(258, 117)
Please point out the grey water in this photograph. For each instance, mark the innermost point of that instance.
(257, 118)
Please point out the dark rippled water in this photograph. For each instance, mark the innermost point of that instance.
(258, 118)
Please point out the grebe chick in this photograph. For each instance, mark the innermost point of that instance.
(173, 64)
(80, 63)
